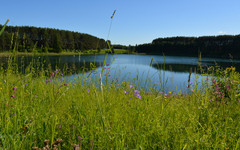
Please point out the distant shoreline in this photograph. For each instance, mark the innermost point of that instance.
(87, 52)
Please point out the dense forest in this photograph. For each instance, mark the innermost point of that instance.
(28, 39)
(209, 46)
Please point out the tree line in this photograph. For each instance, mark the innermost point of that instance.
(209, 46)
(28, 39)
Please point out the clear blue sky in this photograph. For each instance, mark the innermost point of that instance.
(135, 22)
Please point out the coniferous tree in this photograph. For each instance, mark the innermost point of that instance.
(57, 45)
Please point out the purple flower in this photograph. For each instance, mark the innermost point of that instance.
(218, 88)
(136, 92)
(214, 81)
(191, 83)
(15, 88)
(13, 96)
(5, 81)
(138, 96)
(125, 92)
(165, 94)
(131, 86)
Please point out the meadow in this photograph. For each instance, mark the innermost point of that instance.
(39, 109)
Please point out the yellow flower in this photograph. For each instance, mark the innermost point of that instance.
(233, 68)
(170, 92)
(235, 81)
(143, 115)
(237, 95)
(1, 88)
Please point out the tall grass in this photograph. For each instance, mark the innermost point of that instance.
(39, 105)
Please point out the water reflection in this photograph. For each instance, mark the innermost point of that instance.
(168, 73)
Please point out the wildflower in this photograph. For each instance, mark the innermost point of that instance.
(235, 81)
(80, 137)
(192, 90)
(237, 95)
(109, 75)
(59, 126)
(107, 64)
(1, 88)
(125, 92)
(191, 82)
(165, 95)
(138, 96)
(136, 92)
(5, 81)
(15, 88)
(52, 75)
(170, 92)
(131, 86)
(213, 81)
(108, 67)
(143, 115)
(13, 96)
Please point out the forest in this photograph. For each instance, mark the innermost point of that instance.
(209, 46)
(29, 39)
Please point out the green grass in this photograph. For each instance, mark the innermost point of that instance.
(86, 52)
(98, 116)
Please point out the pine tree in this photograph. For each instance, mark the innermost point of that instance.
(57, 44)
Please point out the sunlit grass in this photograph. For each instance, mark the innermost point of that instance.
(39, 105)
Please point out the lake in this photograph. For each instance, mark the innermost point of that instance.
(170, 73)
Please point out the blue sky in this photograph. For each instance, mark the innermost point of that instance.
(135, 22)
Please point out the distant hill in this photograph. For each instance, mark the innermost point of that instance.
(26, 39)
(209, 46)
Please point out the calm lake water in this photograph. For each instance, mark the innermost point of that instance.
(170, 73)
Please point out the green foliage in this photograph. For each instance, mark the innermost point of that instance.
(57, 45)
(24, 38)
(209, 46)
